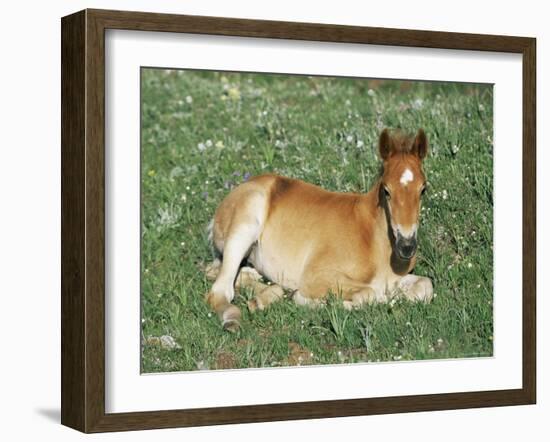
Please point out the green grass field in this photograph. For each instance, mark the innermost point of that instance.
(205, 132)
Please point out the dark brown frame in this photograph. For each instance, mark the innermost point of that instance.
(83, 216)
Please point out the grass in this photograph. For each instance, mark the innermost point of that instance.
(204, 132)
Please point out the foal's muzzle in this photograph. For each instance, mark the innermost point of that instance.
(405, 246)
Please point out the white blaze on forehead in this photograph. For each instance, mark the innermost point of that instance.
(407, 177)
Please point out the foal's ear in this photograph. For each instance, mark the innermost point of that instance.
(384, 144)
(420, 145)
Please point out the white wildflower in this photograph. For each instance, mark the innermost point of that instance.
(201, 147)
(167, 217)
(444, 194)
(360, 144)
(418, 104)
(348, 103)
(189, 99)
(175, 172)
(349, 138)
(371, 93)
(455, 149)
(209, 143)
(201, 365)
(169, 342)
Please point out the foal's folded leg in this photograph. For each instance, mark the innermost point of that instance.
(264, 294)
(359, 297)
(416, 288)
(222, 292)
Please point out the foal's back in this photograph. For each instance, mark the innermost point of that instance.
(302, 206)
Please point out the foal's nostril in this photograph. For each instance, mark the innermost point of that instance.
(408, 250)
(406, 247)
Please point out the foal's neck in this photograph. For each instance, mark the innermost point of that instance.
(371, 208)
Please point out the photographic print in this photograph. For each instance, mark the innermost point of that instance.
(291, 220)
(253, 203)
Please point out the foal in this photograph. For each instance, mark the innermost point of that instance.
(312, 241)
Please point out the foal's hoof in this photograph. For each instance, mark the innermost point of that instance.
(230, 319)
(254, 305)
(231, 325)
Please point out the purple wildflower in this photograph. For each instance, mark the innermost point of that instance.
(246, 176)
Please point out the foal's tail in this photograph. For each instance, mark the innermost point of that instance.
(210, 232)
(210, 236)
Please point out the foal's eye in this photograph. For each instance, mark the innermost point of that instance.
(387, 192)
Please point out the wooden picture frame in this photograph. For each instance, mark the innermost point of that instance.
(83, 220)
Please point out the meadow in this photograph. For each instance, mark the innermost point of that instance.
(203, 133)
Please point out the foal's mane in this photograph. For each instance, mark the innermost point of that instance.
(402, 142)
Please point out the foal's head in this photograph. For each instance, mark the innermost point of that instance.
(401, 187)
